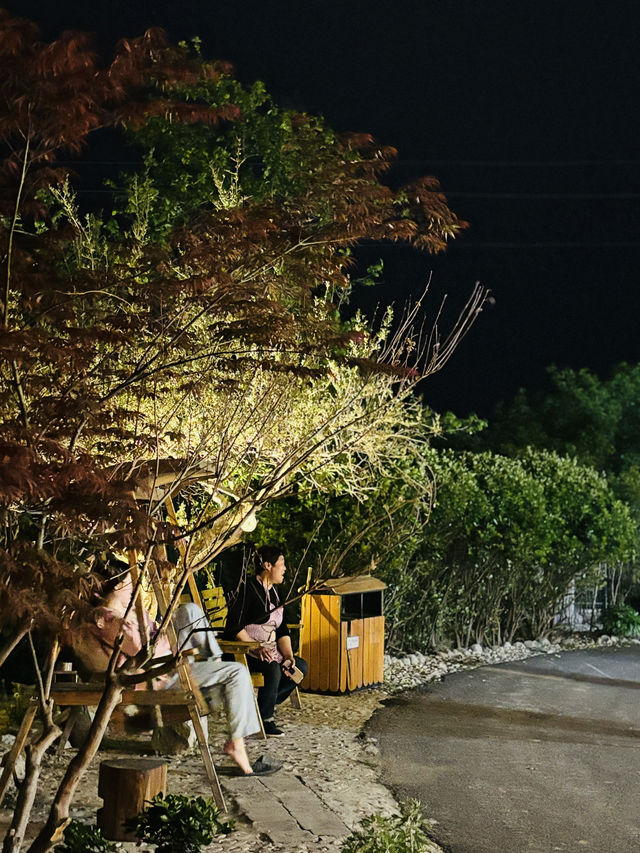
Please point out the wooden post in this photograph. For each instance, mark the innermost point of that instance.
(125, 786)
(14, 753)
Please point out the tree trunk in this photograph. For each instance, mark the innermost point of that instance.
(58, 818)
(26, 795)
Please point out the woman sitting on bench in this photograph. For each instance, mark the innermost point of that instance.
(255, 613)
(93, 644)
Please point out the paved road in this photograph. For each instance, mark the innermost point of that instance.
(530, 757)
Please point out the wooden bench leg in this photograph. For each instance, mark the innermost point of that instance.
(74, 714)
(207, 760)
(294, 698)
(262, 735)
(16, 749)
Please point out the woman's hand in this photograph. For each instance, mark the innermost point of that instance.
(266, 653)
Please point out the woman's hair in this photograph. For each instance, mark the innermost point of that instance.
(111, 575)
(267, 554)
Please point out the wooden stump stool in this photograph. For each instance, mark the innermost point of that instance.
(125, 786)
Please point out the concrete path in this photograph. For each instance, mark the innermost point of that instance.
(530, 757)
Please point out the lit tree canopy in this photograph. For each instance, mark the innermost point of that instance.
(198, 322)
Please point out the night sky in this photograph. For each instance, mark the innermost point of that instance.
(527, 111)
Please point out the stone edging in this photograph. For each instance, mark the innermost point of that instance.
(405, 673)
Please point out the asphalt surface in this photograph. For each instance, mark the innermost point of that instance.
(530, 757)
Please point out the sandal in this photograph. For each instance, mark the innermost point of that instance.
(262, 767)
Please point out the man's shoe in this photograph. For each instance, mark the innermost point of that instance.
(271, 730)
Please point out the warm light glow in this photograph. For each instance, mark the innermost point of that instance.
(249, 524)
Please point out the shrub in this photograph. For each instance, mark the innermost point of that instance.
(403, 833)
(79, 838)
(621, 620)
(178, 823)
(14, 707)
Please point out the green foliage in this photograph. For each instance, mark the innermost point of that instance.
(178, 823)
(505, 539)
(595, 420)
(79, 838)
(485, 555)
(376, 529)
(577, 415)
(22, 696)
(508, 533)
(341, 534)
(4, 717)
(403, 833)
(260, 152)
(621, 620)
(14, 707)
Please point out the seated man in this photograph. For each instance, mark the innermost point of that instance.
(93, 644)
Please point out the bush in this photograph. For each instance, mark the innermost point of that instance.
(79, 838)
(178, 823)
(403, 833)
(13, 708)
(621, 620)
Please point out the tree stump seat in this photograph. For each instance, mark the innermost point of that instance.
(125, 786)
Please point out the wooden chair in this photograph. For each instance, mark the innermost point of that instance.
(187, 701)
(155, 479)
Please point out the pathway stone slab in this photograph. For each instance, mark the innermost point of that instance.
(265, 811)
(310, 812)
(284, 809)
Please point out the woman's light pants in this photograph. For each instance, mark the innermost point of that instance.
(225, 682)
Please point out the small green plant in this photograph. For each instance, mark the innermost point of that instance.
(178, 823)
(13, 708)
(621, 620)
(79, 838)
(403, 833)
(4, 719)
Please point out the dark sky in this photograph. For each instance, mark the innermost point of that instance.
(526, 110)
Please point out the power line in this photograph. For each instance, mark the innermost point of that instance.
(421, 162)
(516, 163)
(534, 196)
(550, 245)
(542, 244)
(507, 196)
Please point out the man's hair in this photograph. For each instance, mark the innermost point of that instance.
(267, 554)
